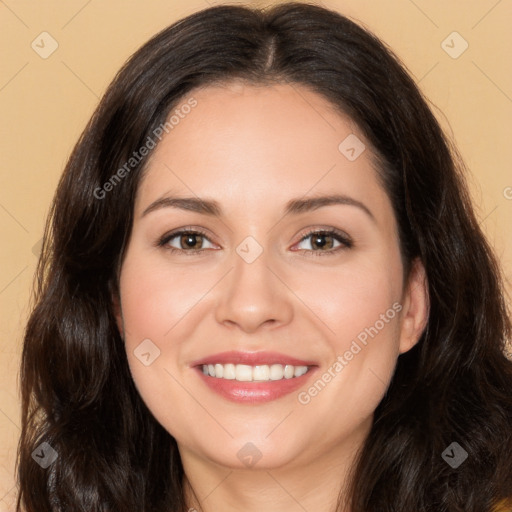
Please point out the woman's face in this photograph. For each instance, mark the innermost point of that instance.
(255, 295)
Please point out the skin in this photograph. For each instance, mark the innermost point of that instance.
(252, 149)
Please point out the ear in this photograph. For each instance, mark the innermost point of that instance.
(116, 304)
(415, 303)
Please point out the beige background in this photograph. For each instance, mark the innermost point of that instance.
(45, 103)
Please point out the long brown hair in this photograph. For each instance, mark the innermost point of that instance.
(454, 386)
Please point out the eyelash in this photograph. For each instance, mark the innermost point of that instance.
(346, 242)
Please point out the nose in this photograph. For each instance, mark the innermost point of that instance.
(254, 296)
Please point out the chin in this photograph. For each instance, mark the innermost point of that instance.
(243, 454)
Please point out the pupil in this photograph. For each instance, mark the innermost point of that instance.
(318, 240)
(190, 240)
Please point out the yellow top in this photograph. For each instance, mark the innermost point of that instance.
(504, 506)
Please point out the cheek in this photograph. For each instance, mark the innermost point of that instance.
(360, 309)
(154, 301)
(354, 379)
(351, 300)
(155, 297)
(163, 306)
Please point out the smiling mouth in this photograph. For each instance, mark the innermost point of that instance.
(258, 373)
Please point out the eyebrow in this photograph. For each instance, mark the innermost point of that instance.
(293, 207)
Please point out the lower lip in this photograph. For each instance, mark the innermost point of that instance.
(254, 392)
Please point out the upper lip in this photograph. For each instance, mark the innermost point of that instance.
(251, 359)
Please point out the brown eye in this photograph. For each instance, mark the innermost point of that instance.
(184, 241)
(323, 242)
(190, 241)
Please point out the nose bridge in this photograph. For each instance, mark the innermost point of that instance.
(253, 295)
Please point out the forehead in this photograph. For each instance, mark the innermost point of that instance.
(250, 142)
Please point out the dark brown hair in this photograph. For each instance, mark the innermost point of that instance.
(454, 385)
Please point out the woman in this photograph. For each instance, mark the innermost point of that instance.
(188, 350)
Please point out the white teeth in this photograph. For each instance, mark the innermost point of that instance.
(300, 370)
(261, 372)
(243, 373)
(246, 373)
(276, 372)
(288, 371)
(219, 370)
(228, 372)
